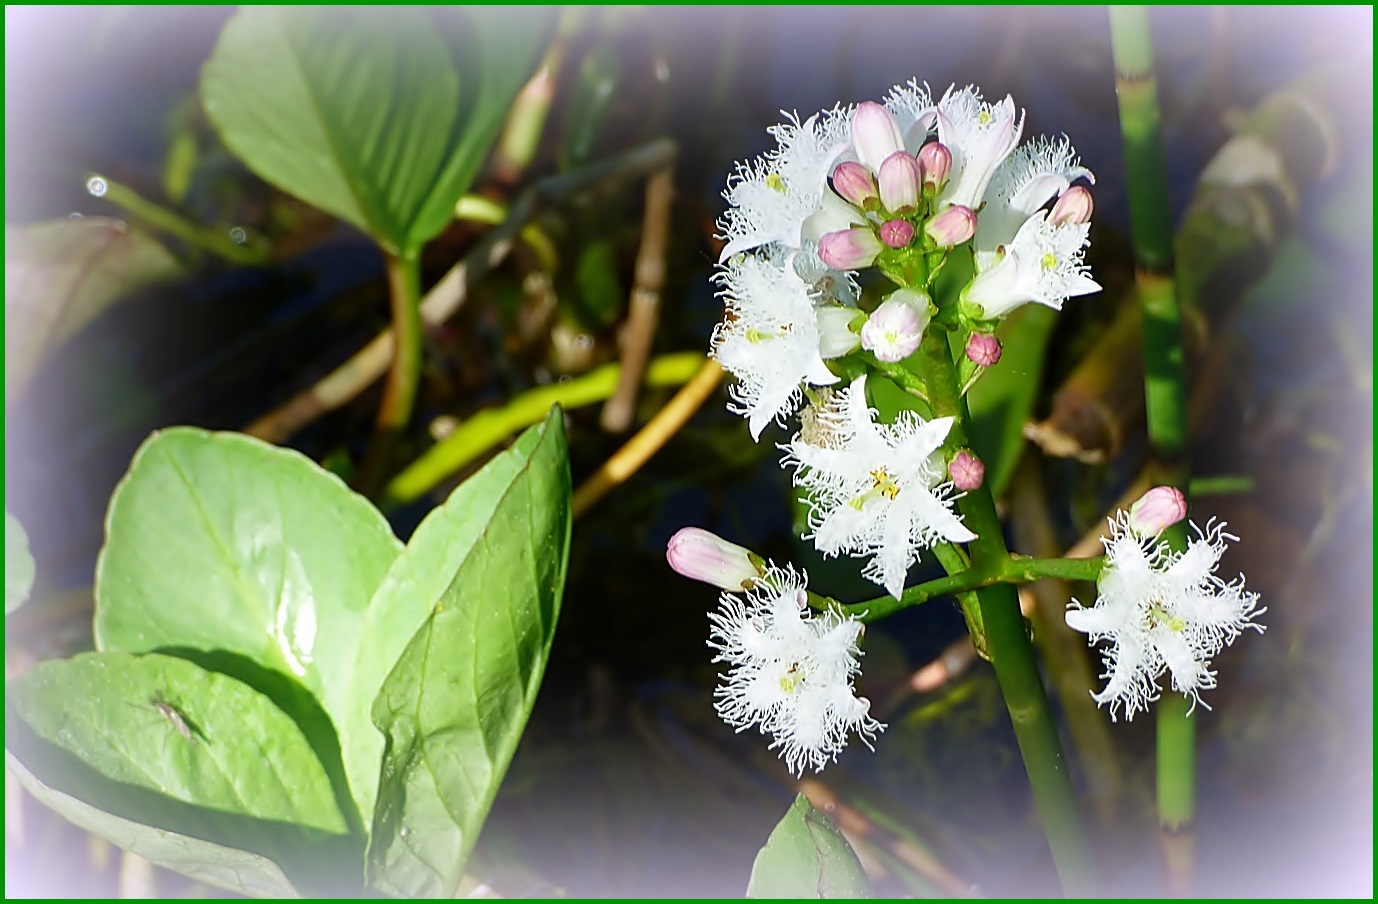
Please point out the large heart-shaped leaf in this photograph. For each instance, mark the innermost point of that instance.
(240, 871)
(165, 724)
(19, 567)
(807, 857)
(60, 275)
(222, 543)
(190, 768)
(380, 116)
(454, 706)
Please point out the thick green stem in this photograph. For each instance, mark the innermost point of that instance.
(1164, 371)
(1012, 655)
(399, 393)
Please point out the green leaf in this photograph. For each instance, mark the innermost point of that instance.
(60, 275)
(165, 724)
(1002, 401)
(807, 857)
(454, 706)
(19, 567)
(224, 867)
(220, 543)
(378, 116)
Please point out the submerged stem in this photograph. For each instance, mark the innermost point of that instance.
(399, 393)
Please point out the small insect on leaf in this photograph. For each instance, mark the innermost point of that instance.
(174, 715)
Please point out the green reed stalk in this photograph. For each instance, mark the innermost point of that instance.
(1164, 375)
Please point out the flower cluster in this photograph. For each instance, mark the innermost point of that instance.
(893, 186)
(790, 672)
(886, 185)
(1162, 611)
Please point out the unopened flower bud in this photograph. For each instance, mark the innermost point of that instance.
(895, 329)
(849, 249)
(1073, 207)
(897, 233)
(1157, 510)
(854, 182)
(935, 162)
(899, 181)
(703, 556)
(875, 134)
(966, 471)
(953, 226)
(983, 349)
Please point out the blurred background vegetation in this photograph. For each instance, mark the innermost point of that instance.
(626, 784)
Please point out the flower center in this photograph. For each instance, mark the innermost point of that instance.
(1157, 615)
(985, 117)
(793, 677)
(883, 485)
(756, 337)
(1049, 261)
(775, 181)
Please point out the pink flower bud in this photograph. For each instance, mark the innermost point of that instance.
(953, 226)
(935, 162)
(849, 249)
(966, 471)
(899, 181)
(894, 330)
(983, 349)
(703, 556)
(875, 134)
(854, 182)
(1073, 207)
(1157, 510)
(897, 233)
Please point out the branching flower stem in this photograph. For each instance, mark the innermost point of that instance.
(1011, 653)
(1011, 570)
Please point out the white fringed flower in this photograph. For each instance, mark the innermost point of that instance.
(980, 137)
(1043, 263)
(770, 198)
(875, 489)
(769, 339)
(1029, 178)
(790, 671)
(1162, 612)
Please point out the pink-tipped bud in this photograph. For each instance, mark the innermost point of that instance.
(983, 349)
(1073, 207)
(935, 162)
(875, 134)
(953, 226)
(966, 471)
(1157, 510)
(897, 233)
(895, 329)
(854, 182)
(849, 249)
(899, 181)
(703, 556)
